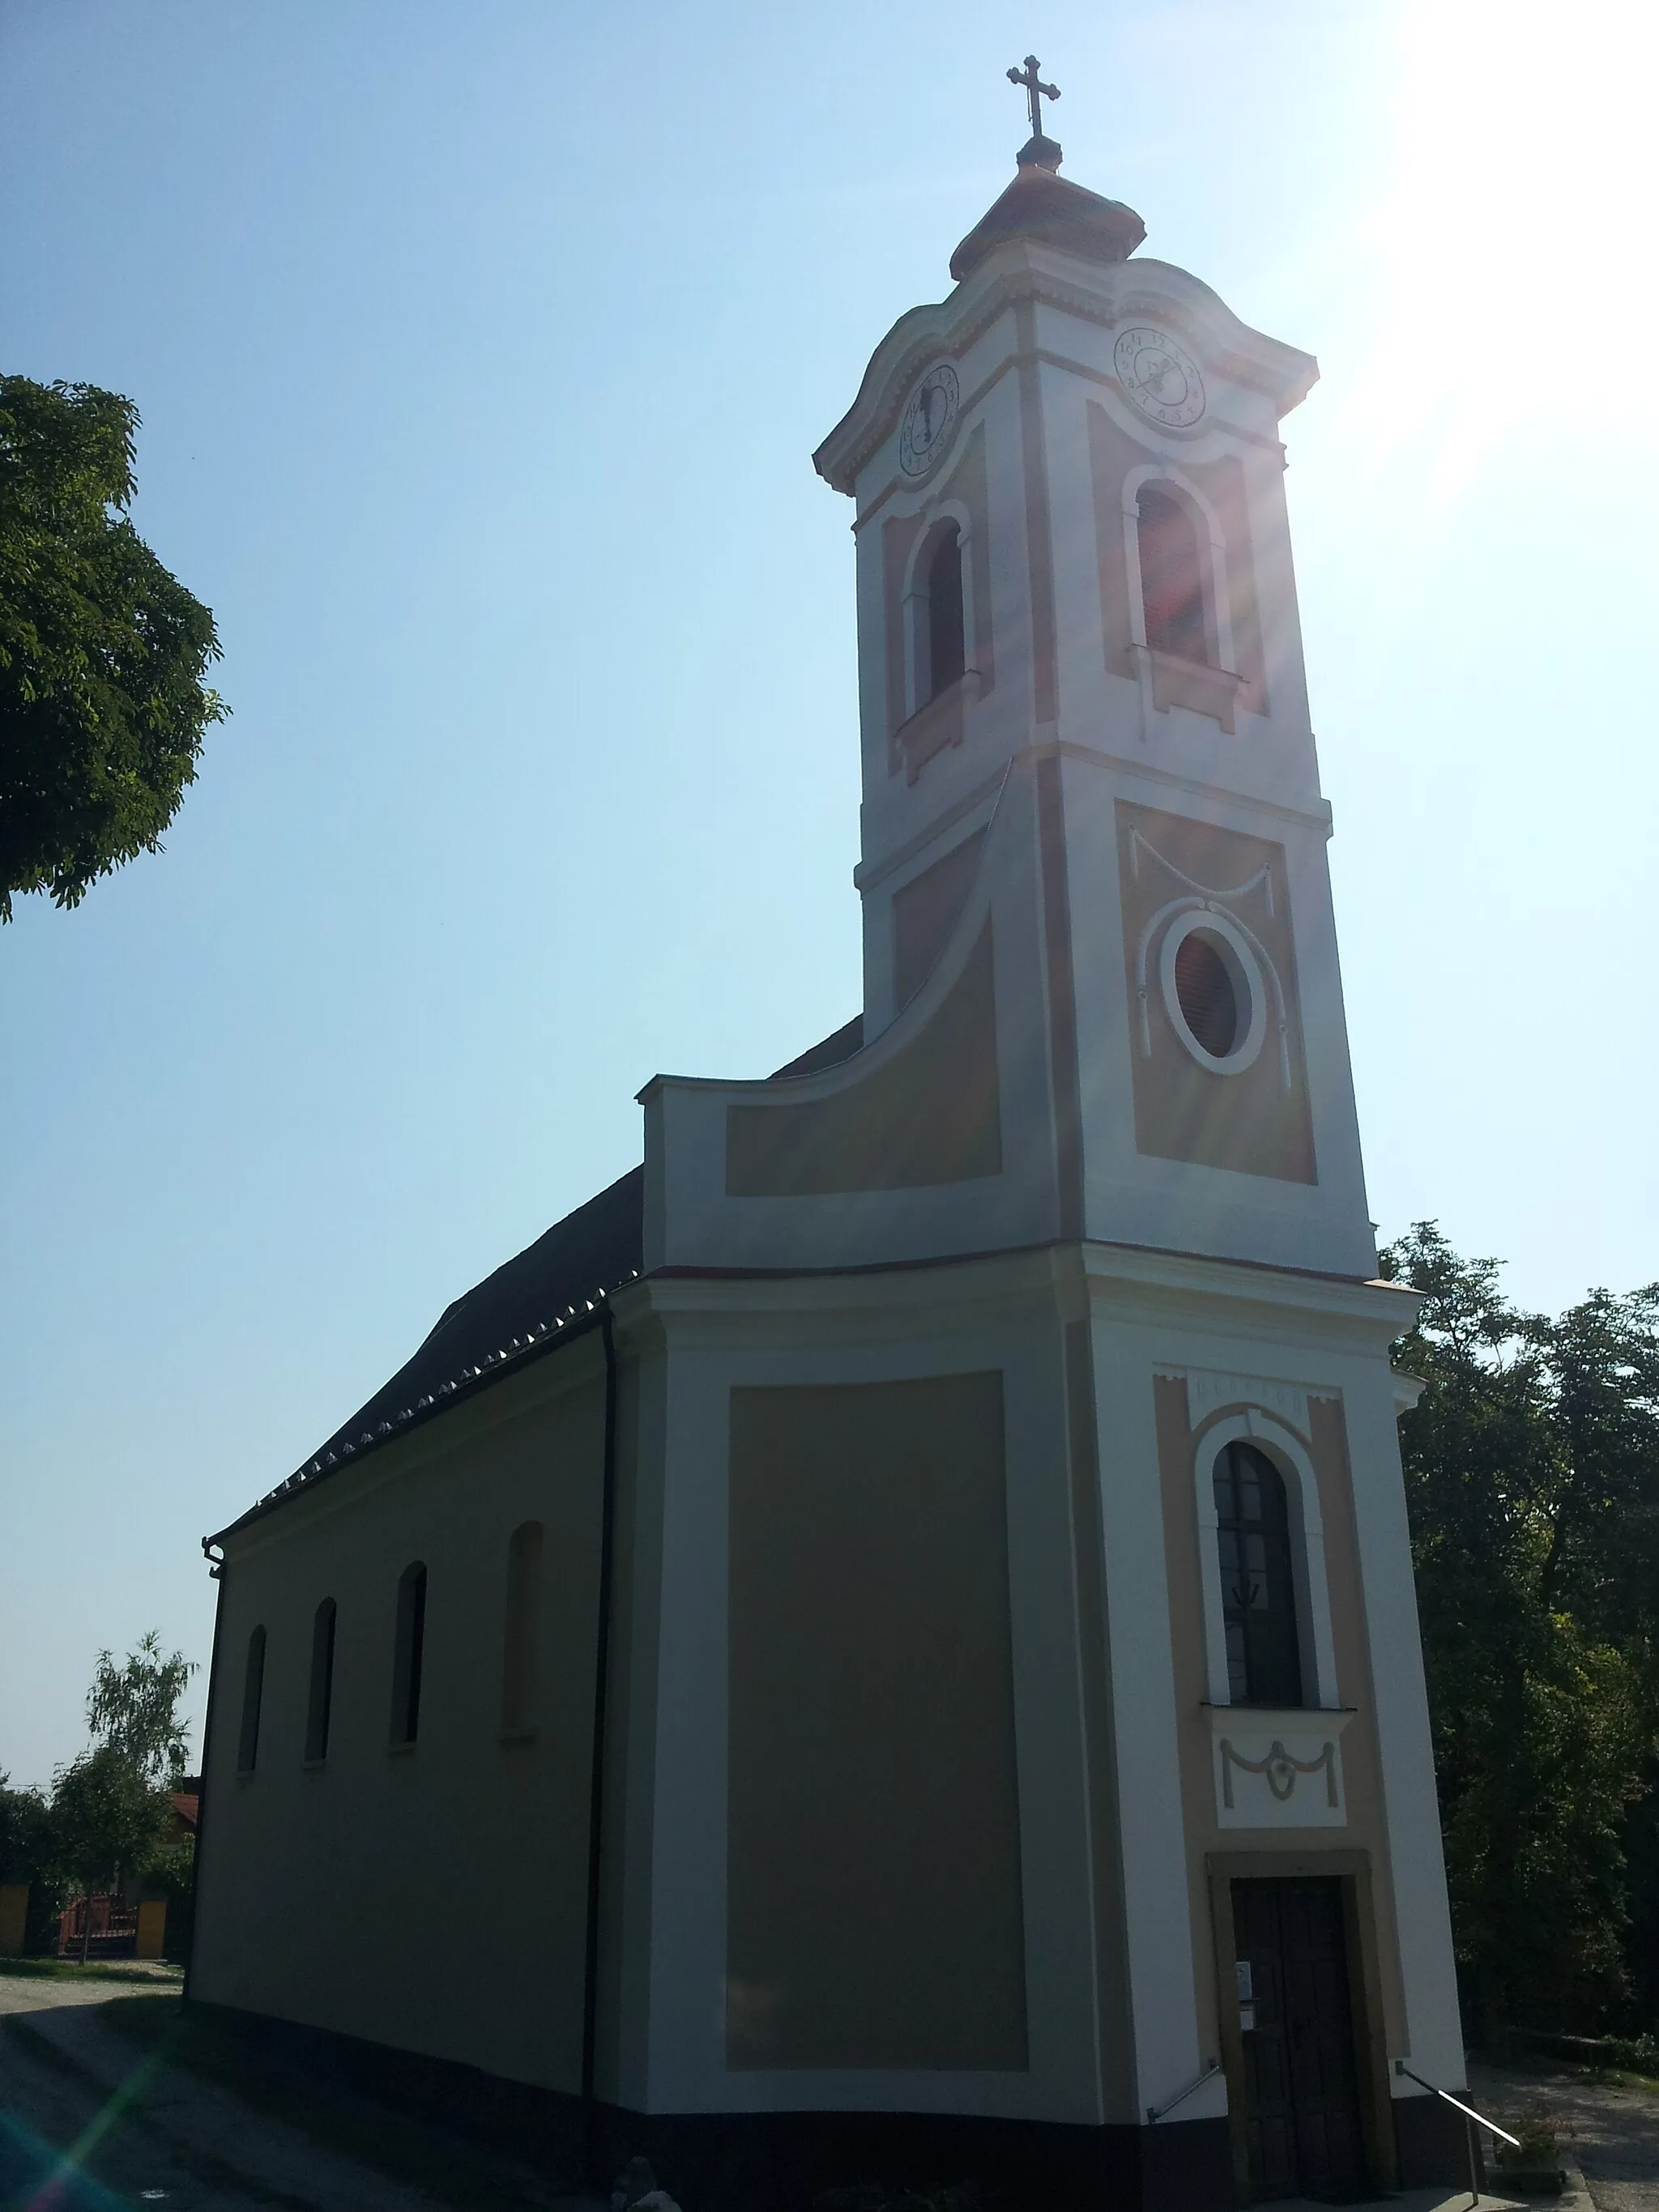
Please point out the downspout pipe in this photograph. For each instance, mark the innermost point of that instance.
(596, 1778)
(216, 1569)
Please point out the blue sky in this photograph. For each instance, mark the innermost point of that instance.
(481, 351)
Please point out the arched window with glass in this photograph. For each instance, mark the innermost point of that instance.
(319, 1703)
(253, 1692)
(1258, 1579)
(409, 1653)
(521, 1637)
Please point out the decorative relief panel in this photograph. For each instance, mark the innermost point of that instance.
(1278, 1770)
(1214, 901)
(1208, 1388)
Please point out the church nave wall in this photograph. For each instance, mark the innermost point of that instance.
(457, 1862)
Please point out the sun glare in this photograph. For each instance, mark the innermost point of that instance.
(1512, 241)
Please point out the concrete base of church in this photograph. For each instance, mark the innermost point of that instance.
(1431, 2142)
(775, 2161)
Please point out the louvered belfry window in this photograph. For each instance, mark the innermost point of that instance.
(947, 643)
(1258, 1586)
(1204, 990)
(1171, 576)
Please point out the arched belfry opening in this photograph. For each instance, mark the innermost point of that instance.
(1172, 556)
(947, 644)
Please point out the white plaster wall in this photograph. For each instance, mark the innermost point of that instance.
(1157, 1313)
(691, 1219)
(998, 1316)
(1131, 1197)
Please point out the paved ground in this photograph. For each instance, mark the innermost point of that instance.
(91, 2100)
(1609, 2130)
(95, 2101)
(28, 1992)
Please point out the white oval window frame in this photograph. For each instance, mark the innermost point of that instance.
(1244, 972)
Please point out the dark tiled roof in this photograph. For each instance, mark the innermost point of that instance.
(523, 1308)
(550, 1289)
(829, 1052)
(1051, 211)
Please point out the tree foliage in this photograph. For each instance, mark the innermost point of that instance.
(29, 1854)
(106, 1819)
(26, 1845)
(1532, 1472)
(134, 1708)
(103, 652)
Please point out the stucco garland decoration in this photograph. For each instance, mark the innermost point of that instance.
(1280, 1769)
(1202, 897)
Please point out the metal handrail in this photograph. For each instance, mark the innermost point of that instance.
(1471, 2119)
(1155, 2112)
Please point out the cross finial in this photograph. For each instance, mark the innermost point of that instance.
(1036, 91)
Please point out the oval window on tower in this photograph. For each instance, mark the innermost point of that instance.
(1213, 991)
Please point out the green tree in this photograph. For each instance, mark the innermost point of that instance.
(103, 652)
(1532, 1473)
(29, 1853)
(106, 1822)
(134, 1708)
(172, 1876)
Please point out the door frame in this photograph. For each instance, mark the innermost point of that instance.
(1352, 1870)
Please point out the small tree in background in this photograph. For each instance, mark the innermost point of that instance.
(171, 1877)
(106, 1820)
(133, 1709)
(103, 652)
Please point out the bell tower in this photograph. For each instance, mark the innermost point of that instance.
(976, 1726)
(1033, 1575)
(1074, 563)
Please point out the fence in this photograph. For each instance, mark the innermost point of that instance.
(113, 1933)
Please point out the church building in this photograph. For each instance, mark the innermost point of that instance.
(884, 1646)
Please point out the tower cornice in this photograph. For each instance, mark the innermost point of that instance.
(1102, 293)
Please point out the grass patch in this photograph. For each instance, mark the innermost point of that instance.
(69, 1969)
(1619, 2077)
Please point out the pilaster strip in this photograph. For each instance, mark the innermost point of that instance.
(1045, 675)
(1062, 997)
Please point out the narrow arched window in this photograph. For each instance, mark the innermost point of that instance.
(253, 1690)
(322, 1681)
(1171, 576)
(1258, 1582)
(521, 1629)
(407, 1653)
(947, 657)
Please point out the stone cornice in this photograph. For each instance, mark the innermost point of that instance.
(1103, 295)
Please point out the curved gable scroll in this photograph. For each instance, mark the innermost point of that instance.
(931, 1115)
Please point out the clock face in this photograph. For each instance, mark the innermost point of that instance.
(927, 419)
(1161, 379)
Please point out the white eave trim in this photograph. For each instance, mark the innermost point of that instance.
(1099, 292)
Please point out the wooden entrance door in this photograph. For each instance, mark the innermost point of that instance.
(1302, 2085)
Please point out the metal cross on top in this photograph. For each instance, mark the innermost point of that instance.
(1035, 90)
